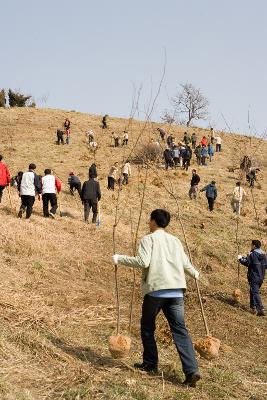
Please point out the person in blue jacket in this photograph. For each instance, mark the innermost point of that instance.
(256, 262)
(211, 194)
(210, 151)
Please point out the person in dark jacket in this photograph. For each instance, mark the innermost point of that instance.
(60, 137)
(198, 154)
(90, 197)
(93, 171)
(168, 158)
(104, 122)
(256, 262)
(74, 183)
(170, 140)
(211, 194)
(66, 124)
(187, 138)
(194, 185)
(252, 176)
(187, 155)
(162, 133)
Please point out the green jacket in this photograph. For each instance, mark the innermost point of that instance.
(163, 261)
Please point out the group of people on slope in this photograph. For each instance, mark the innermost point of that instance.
(181, 154)
(117, 140)
(237, 196)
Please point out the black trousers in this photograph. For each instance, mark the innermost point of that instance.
(186, 163)
(125, 179)
(60, 139)
(2, 188)
(218, 147)
(88, 204)
(173, 309)
(111, 183)
(52, 199)
(76, 186)
(211, 203)
(27, 203)
(125, 142)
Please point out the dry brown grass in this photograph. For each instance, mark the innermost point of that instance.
(57, 282)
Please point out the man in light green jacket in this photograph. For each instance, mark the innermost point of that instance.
(164, 263)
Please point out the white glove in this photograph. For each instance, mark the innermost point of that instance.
(239, 257)
(115, 259)
(196, 274)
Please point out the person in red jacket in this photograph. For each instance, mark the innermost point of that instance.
(4, 177)
(204, 141)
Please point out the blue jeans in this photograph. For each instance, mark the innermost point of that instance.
(173, 309)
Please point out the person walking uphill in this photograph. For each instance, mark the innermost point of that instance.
(112, 176)
(164, 264)
(90, 197)
(238, 195)
(256, 262)
(194, 185)
(4, 177)
(126, 172)
(29, 186)
(211, 194)
(50, 185)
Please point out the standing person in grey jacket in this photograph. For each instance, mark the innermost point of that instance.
(90, 197)
(164, 264)
(211, 194)
(29, 186)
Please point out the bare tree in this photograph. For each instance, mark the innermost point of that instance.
(167, 118)
(190, 101)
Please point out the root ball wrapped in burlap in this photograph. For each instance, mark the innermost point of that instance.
(237, 295)
(119, 346)
(208, 348)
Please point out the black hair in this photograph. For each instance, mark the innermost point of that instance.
(256, 243)
(213, 182)
(161, 217)
(1, 157)
(32, 166)
(47, 171)
(238, 183)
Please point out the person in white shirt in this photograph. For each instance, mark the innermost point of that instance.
(28, 187)
(50, 185)
(218, 144)
(126, 172)
(238, 194)
(125, 139)
(112, 176)
(163, 262)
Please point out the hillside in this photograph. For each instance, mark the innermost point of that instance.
(57, 297)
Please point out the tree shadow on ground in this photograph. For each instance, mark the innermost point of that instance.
(85, 354)
(229, 300)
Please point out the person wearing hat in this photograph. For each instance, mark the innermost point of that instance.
(211, 194)
(29, 186)
(74, 183)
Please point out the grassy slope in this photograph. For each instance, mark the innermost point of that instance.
(57, 284)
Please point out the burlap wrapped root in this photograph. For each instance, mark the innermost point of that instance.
(119, 346)
(237, 295)
(208, 348)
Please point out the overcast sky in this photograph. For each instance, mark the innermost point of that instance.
(87, 55)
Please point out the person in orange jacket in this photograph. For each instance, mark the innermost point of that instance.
(4, 177)
(204, 141)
